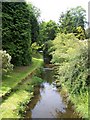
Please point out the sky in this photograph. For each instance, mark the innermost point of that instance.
(51, 9)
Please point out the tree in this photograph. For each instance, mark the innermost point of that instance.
(16, 32)
(71, 19)
(51, 30)
(65, 21)
(42, 33)
(48, 31)
(34, 15)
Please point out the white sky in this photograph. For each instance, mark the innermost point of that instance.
(51, 9)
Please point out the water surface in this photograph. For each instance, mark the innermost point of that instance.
(48, 102)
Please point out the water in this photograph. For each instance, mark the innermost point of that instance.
(48, 103)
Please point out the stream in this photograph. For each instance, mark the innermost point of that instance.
(48, 102)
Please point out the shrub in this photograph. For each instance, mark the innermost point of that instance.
(7, 67)
(71, 55)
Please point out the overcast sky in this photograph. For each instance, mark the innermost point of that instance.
(51, 9)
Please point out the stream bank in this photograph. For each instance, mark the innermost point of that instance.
(22, 81)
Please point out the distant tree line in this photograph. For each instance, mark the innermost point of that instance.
(71, 21)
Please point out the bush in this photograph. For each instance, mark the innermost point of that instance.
(71, 55)
(7, 67)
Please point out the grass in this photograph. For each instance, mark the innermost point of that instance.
(17, 75)
(15, 104)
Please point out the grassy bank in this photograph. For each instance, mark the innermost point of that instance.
(18, 74)
(15, 104)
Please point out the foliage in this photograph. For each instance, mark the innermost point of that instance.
(80, 34)
(35, 46)
(48, 31)
(36, 81)
(7, 67)
(16, 32)
(46, 51)
(71, 19)
(71, 55)
(34, 15)
(81, 103)
(51, 30)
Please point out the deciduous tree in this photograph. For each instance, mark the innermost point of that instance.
(71, 19)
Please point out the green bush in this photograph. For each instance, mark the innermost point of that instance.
(6, 65)
(71, 55)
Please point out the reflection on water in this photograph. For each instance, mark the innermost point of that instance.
(48, 103)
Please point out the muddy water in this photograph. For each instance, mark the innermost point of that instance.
(48, 103)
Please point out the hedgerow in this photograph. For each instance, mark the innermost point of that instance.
(16, 32)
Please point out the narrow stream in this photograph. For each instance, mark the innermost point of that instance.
(48, 103)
